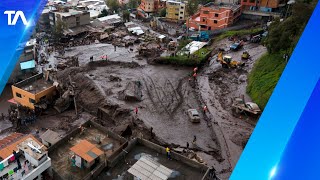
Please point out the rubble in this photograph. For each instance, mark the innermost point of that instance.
(132, 92)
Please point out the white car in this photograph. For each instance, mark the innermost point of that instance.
(193, 115)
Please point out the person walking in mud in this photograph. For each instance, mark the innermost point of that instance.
(151, 132)
(194, 139)
(168, 151)
(115, 48)
(136, 110)
(212, 173)
(205, 109)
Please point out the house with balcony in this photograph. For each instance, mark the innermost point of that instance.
(214, 16)
(23, 157)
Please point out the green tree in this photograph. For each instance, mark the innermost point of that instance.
(126, 16)
(192, 7)
(103, 13)
(283, 36)
(113, 5)
(163, 12)
(57, 31)
(132, 4)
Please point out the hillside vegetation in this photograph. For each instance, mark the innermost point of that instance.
(282, 38)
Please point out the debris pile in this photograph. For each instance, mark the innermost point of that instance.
(132, 92)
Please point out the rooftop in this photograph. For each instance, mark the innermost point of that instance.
(80, 142)
(34, 84)
(32, 147)
(71, 13)
(115, 18)
(86, 150)
(50, 136)
(127, 164)
(214, 6)
(7, 150)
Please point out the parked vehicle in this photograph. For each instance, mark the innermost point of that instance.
(236, 46)
(193, 115)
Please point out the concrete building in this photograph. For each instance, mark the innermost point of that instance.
(44, 21)
(30, 160)
(27, 54)
(33, 92)
(71, 18)
(176, 10)
(147, 8)
(212, 16)
(262, 5)
(50, 138)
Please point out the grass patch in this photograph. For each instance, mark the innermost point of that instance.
(264, 77)
(238, 33)
(183, 43)
(194, 59)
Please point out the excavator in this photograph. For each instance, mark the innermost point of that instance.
(227, 62)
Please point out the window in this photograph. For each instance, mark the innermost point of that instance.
(244, 0)
(252, 1)
(204, 20)
(32, 101)
(205, 12)
(215, 21)
(177, 14)
(18, 95)
(181, 12)
(180, 17)
(181, 7)
(216, 15)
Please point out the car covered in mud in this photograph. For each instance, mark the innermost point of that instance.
(242, 107)
(193, 115)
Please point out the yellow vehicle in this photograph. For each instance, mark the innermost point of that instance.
(227, 62)
(245, 55)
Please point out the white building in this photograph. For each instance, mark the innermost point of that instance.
(30, 162)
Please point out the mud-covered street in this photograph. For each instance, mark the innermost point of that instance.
(166, 94)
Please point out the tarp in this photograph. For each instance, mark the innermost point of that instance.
(28, 64)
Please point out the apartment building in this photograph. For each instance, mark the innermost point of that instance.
(262, 5)
(176, 10)
(70, 17)
(213, 16)
(148, 8)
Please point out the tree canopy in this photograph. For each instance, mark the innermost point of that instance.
(283, 36)
(113, 5)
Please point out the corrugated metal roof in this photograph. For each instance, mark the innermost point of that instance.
(85, 149)
(148, 169)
